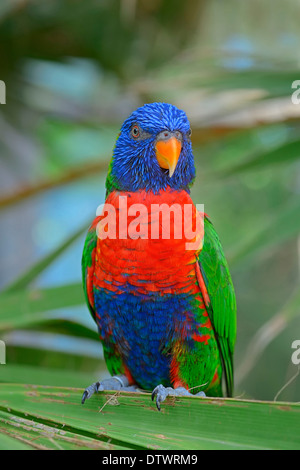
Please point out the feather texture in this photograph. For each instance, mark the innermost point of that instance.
(165, 314)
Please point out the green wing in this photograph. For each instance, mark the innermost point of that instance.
(88, 261)
(221, 304)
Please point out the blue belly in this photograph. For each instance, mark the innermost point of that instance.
(144, 330)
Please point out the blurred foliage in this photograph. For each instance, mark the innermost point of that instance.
(73, 71)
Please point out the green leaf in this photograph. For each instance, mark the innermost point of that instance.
(27, 277)
(267, 333)
(24, 308)
(207, 73)
(275, 82)
(280, 155)
(40, 375)
(52, 417)
(68, 327)
(10, 442)
(282, 225)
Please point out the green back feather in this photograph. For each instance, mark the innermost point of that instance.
(86, 262)
(222, 308)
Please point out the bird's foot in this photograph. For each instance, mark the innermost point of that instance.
(118, 382)
(161, 393)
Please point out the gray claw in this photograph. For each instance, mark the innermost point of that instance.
(89, 391)
(161, 393)
(113, 383)
(84, 397)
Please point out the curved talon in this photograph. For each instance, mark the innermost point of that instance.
(89, 391)
(114, 383)
(162, 393)
(84, 397)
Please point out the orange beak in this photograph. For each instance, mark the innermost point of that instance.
(167, 153)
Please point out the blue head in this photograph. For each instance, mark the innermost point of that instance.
(153, 151)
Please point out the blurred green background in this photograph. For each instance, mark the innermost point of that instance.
(74, 70)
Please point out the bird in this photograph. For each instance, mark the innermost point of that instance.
(164, 303)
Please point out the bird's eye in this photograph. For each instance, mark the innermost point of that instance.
(135, 132)
(189, 132)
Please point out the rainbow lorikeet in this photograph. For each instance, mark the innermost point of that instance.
(166, 314)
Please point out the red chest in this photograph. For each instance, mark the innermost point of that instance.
(148, 242)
